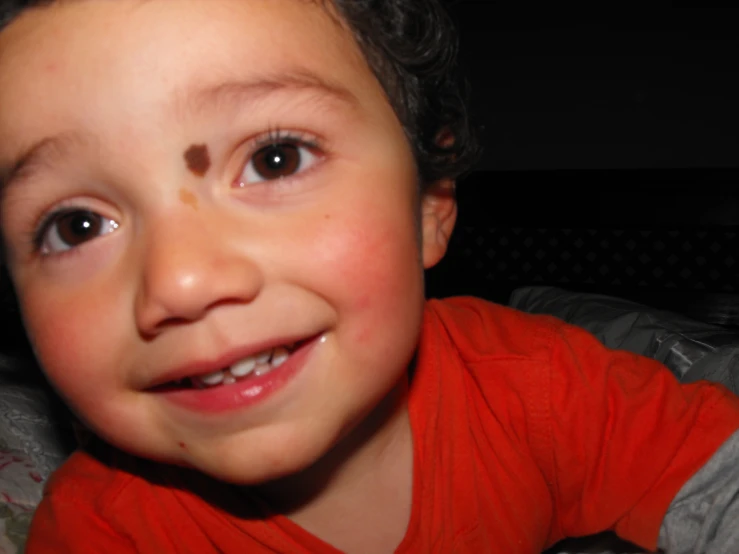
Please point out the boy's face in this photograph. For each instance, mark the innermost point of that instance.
(153, 234)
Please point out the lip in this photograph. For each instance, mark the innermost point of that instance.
(206, 367)
(245, 392)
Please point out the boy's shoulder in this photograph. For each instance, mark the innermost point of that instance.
(483, 329)
(102, 478)
(100, 483)
(95, 476)
(102, 496)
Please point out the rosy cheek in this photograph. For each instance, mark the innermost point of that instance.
(372, 266)
(68, 338)
(369, 259)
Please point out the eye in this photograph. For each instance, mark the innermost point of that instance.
(70, 228)
(277, 161)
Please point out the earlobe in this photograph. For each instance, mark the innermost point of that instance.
(438, 216)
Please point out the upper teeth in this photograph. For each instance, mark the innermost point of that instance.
(259, 364)
(244, 367)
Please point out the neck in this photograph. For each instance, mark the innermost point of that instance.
(363, 485)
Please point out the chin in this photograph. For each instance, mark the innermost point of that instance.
(247, 465)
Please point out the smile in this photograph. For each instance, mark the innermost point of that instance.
(241, 383)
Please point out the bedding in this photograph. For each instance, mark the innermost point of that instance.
(32, 445)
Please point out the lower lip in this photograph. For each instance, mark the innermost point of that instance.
(243, 393)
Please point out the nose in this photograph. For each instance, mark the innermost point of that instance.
(191, 264)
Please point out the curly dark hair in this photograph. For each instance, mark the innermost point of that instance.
(411, 45)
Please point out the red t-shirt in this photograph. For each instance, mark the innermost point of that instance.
(526, 430)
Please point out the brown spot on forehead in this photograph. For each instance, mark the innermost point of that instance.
(197, 159)
(187, 197)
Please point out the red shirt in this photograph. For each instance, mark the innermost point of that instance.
(526, 430)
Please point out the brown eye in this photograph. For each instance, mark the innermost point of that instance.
(72, 228)
(77, 227)
(277, 161)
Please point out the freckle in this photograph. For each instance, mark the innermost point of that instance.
(182, 445)
(188, 198)
(197, 159)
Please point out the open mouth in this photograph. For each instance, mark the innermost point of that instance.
(250, 367)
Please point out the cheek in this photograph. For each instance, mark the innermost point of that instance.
(370, 267)
(71, 336)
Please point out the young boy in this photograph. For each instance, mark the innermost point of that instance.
(216, 215)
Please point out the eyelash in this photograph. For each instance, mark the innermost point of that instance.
(276, 137)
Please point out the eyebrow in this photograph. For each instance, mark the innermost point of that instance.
(39, 154)
(247, 93)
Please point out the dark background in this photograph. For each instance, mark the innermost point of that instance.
(649, 87)
(611, 154)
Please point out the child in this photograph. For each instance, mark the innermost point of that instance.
(216, 215)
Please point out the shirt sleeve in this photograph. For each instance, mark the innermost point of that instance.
(625, 437)
(72, 528)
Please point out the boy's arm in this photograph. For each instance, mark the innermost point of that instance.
(626, 440)
(704, 517)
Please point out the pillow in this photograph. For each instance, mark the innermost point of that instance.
(690, 349)
(34, 440)
(20, 493)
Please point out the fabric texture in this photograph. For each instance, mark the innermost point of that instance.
(31, 448)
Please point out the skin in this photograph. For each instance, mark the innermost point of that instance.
(331, 249)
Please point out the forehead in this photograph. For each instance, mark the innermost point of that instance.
(59, 15)
(146, 55)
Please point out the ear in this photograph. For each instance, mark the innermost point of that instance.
(438, 216)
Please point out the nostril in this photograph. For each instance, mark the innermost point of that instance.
(149, 332)
(173, 322)
(161, 322)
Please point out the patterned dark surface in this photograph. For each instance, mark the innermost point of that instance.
(679, 259)
(664, 238)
